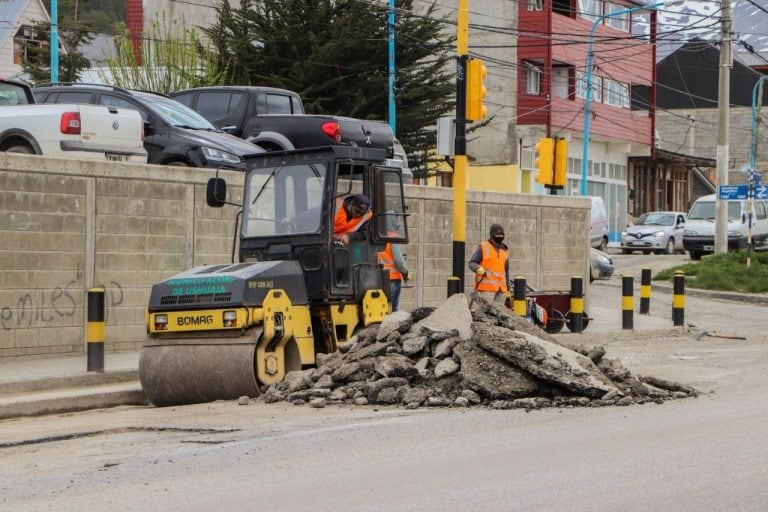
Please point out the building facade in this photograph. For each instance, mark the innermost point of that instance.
(553, 45)
(16, 35)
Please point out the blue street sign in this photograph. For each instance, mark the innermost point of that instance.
(758, 178)
(761, 192)
(732, 192)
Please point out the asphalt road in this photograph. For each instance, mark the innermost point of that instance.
(706, 453)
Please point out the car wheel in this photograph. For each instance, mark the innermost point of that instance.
(603, 245)
(670, 249)
(178, 163)
(26, 150)
(695, 255)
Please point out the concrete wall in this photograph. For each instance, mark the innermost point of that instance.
(67, 226)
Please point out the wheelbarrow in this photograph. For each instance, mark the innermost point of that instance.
(554, 310)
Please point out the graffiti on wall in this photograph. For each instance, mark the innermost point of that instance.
(44, 306)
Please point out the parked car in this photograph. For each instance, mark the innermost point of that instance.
(173, 133)
(699, 235)
(83, 132)
(600, 265)
(598, 227)
(658, 232)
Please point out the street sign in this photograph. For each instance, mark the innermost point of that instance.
(761, 192)
(733, 192)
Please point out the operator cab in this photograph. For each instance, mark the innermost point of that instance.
(289, 202)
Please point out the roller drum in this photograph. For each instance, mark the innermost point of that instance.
(177, 372)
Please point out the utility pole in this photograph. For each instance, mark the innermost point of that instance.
(54, 42)
(391, 24)
(723, 129)
(456, 282)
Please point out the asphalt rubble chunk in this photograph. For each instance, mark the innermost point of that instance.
(467, 353)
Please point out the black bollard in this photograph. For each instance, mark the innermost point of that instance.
(577, 304)
(645, 291)
(678, 298)
(95, 330)
(518, 303)
(627, 302)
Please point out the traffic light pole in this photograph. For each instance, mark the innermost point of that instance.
(456, 283)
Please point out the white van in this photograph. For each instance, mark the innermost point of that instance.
(598, 228)
(699, 234)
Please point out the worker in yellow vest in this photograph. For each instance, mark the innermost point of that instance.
(490, 263)
(392, 259)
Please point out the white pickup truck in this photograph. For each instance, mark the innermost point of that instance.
(83, 132)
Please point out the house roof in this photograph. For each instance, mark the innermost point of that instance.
(10, 11)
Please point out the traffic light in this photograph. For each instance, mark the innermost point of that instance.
(476, 91)
(545, 160)
(561, 162)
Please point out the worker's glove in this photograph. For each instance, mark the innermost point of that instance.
(406, 276)
(510, 295)
(480, 271)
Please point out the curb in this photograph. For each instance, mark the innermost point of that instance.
(73, 381)
(72, 400)
(621, 335)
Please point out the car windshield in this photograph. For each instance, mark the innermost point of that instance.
(284, 200)
(656, 219)
(177, 114)
(706, 210)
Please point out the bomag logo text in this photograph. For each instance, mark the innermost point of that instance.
(194, 320)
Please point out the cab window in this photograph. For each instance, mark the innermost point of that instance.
(390, 206)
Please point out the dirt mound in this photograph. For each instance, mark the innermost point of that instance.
(454, 356)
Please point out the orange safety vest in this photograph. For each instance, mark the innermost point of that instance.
(495, 278)
(387, 260)
(342, 224)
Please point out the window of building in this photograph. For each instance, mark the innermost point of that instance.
(590, 9)
(616, 93)
(535, 5)
(561, 81)
(562, 7)
(581, 86)
(27, 47)
(532, 79)
(620, 22)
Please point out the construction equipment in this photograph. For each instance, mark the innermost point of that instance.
(223, 331)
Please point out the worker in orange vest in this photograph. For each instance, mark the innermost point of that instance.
(392, 259)
(351, 219)
(490, 263)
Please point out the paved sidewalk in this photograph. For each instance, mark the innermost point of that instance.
(62, 384)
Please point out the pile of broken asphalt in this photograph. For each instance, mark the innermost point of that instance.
(467, 354)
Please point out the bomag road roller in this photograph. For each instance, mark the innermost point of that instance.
(224, 331)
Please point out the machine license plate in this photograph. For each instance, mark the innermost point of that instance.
(112, 157)
(709, 247)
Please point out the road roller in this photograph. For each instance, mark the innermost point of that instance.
(293, 288)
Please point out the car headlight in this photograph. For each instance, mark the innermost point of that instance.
(623, 233)
(659, 234)
(217, 155)
(735, 233)
(689, 232)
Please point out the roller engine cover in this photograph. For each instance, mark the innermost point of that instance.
(232, 285)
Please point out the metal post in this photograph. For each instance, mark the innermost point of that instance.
(627, 302)
(391, 23)
(723, 128)
(757, 94)
(518, 303)
(95, 330)
(678, 298)
(645, 291)
(460, 145)
(54, 41)
(454, 285)
(577, 304)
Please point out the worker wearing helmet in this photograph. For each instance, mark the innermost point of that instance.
(351, 219)
(490, 263)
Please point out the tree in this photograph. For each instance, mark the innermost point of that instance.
(169, 58)
(334, 53)
(73, 33)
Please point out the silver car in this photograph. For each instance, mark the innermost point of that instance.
(658, 232)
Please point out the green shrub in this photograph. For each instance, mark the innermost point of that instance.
(727, 272)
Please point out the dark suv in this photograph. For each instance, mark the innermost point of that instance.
(173, 133)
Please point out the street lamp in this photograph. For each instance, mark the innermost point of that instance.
(588, 80)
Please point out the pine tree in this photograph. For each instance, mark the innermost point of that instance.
(334, 53)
